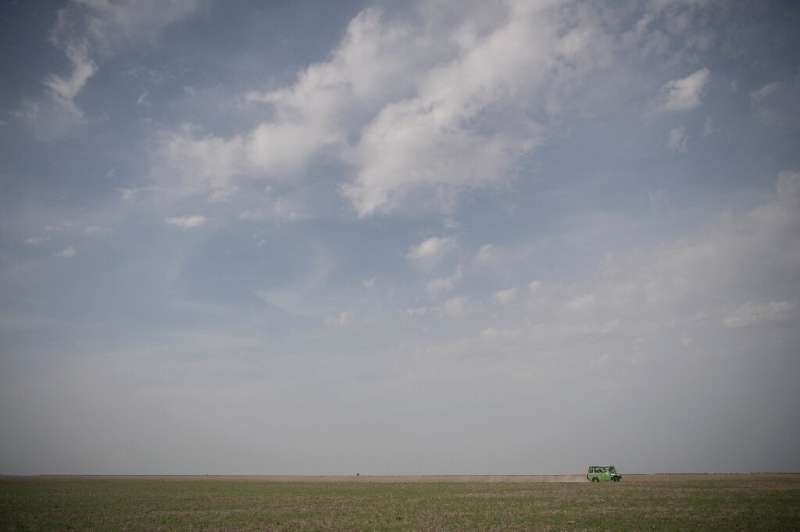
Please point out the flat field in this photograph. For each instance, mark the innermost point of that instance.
(639, 502)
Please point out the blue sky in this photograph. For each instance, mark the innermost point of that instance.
(428, 237)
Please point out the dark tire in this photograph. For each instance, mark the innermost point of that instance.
(595, 479)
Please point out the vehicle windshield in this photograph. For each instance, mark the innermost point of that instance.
(612, 470)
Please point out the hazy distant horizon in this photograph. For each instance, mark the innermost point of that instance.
(449, 237)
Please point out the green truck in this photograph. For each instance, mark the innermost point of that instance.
(598, 473)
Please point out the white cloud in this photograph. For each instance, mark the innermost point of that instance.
(685, 93)
(66, 89)
(202, 164)
(678, 139)
(466, 125)
(431, 250)
(752, 313)
(373, 63)
(420, 113)
(199, 163)
(56, 112)
(704, 274)
(505, 296)
(186, 222)
(68, 252)
(673, 289)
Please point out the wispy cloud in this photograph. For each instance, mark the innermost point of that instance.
(753, 313)
(88, 32)
(678, 139)
(187, 222)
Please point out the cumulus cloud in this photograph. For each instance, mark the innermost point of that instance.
(418, 114)
(370, 66)
(329, 101)
(192, 162)
(187, 222)
(440, 139)
(685, 93)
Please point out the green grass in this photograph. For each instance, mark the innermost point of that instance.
(753, 502)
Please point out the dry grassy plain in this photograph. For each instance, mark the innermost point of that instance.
(660, 502)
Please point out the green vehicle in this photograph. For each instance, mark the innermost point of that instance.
(598, 473)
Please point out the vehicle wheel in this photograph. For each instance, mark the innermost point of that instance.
(595, 479)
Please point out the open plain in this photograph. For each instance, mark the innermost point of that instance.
(639, 502)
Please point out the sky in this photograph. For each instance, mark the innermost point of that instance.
(498, 237)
